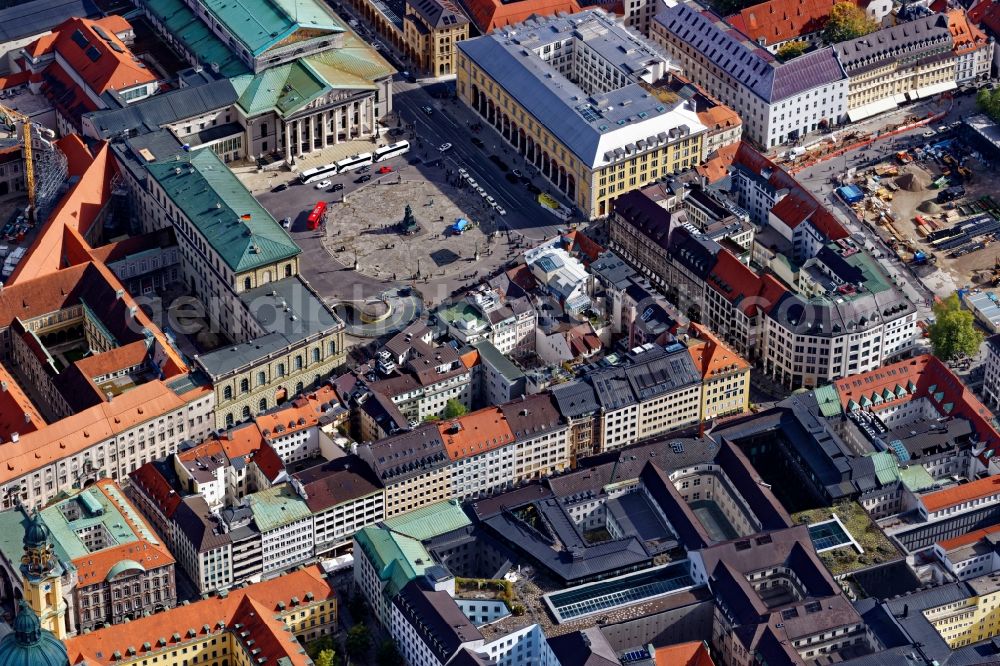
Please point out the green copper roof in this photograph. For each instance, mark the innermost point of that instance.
(87, 510)
(283, 89)
(886, 468)
(277, 506)
(355, 65)
(429, 521)
(916, 477)
(214, 199)
(196, 37)
(397, 558)
(829, 400)
(123, 566)
(13, 525)
(30, 645)
(260, 24)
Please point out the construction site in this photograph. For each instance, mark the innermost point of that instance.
(934, 206)
(37, 173)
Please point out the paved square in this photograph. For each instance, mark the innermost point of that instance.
(366, 225)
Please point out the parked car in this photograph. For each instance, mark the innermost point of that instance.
(428, 110)
(929, 133)
(385, 169)
(512, 179)
(280, 188)
(287, 223)
(491, 201)
(337, 187)
(516, 173)
(364, 178)
(323, 184)
(444, 147)
(534, 189)
(477, 142)
(501, 210)
(500, 163)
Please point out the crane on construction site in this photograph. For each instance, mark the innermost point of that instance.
(10, 117)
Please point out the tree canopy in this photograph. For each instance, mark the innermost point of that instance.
(326, 658)
(954, 331)
(453, 409)
(359, 640)
(847, 21)
(989, 102)
(792, 49)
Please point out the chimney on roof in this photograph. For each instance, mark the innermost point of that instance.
(3, 386)
(14, 437)
(27, 417)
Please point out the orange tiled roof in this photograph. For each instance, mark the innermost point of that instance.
(966, 35)
(933, 380)
(94, 567)
(475, 433)
(719, 117)
(711, 355)
(118, 358)
(17, 412)
(269, 462)
(716, 167)
(781, 20)
(77, 211)
(968, 538)
(63, 438)
(973, 490)
(77, 154)
(98, 63)
(694, 653)
(291, 418)
(254, 607)
(488, 15)
(470, 358)
(157, 488)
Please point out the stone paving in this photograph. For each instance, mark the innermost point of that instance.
(364, 226)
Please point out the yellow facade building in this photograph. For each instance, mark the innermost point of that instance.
(970, 620)
(725, 387)
(265, 620)
(570, 94)
(431, 32)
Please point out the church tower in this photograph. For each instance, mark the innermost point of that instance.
(43, 577)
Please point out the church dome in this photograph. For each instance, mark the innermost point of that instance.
(37, 534)
(29, 644)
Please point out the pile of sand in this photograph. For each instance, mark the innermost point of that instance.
(914, 180)
(929, 207)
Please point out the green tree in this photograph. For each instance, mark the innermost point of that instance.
(954, 331)
(453, 409)
(322, 644)
(326, 658)
(792, 49)
(847, 21)
(989, 102)
(388, 654)
(359, 639)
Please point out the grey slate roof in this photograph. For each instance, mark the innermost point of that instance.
(591, 127)
(927, 34)
(437, 619)
(440, 13)
(575, 399)
(154, 112)
(308, 317)
(752, 65)
(406, 455)
(32, 18)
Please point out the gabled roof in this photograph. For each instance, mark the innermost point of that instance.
(712, 356)
(488, 15)
(476, 433)
(439, 13)
(254, 607)
(260, 25)
(97, 55)
(966, 35)
(781, 20)
(155, 486)
(694, 653)
(216, 202)
(949, 497)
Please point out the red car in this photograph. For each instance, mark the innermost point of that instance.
(385, 169)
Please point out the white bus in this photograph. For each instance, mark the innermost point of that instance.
(392, 150)
(354, 162)
(319, 173)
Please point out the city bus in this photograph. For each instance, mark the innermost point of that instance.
(392, 150)
(354, 162)
(317, 215)
(319, 173)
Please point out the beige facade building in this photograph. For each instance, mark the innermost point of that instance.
(569, 95)
(431, 32)
(243, 267)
